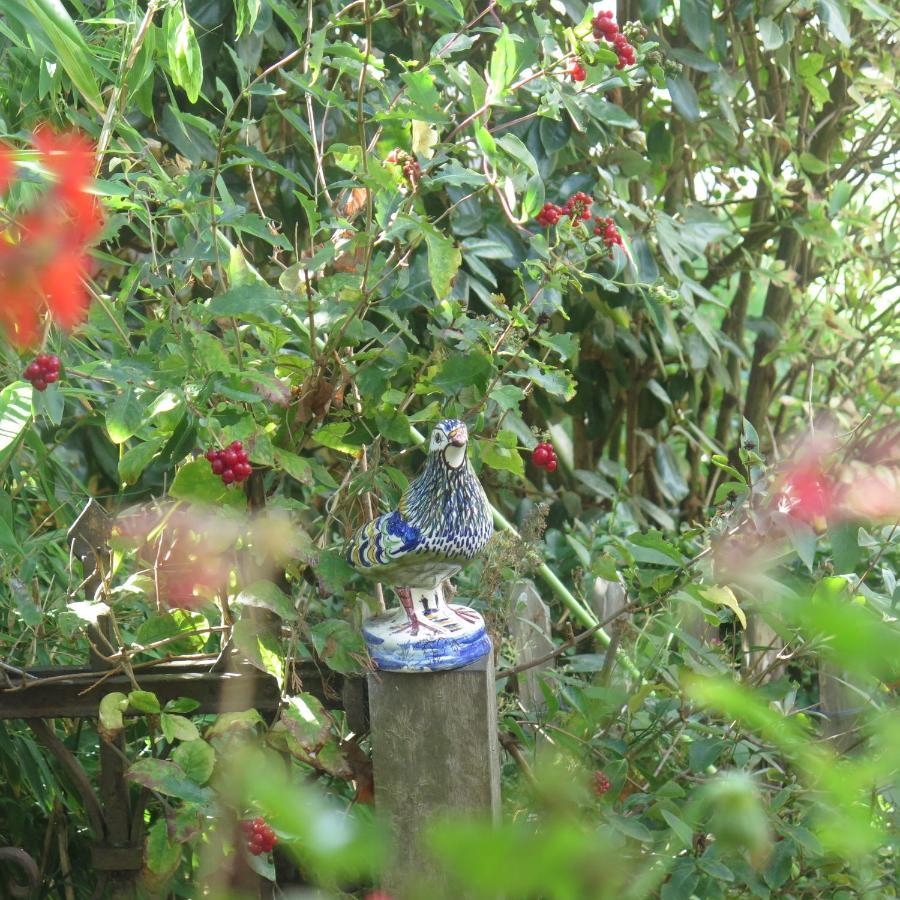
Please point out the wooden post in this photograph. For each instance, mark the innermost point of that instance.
(842, 706)
(435, 752)
(529, 628)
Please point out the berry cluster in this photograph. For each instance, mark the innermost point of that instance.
(577, 72)
(549, 215)
(260, 837)
(42, 371)
(577, 207)
(412, 171)
(230, 464)
(601, 784)
(604, 27)
(544, 457)
(605, 227)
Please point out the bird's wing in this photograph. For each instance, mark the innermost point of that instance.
(383, 541)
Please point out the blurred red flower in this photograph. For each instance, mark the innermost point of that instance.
(44, 251)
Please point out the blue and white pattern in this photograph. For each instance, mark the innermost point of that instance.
(442, 522)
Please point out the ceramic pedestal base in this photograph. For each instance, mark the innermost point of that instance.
(443, 635)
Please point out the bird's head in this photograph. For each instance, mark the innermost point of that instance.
(449, 441)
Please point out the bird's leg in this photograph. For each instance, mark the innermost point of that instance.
(461, 612)
(406, 600)
(464, 613)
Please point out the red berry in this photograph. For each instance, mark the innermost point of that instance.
(53, 362)
(237, 445)
(541, 455)
(42, 359)
(32, 370)
(229, 457)
(577, 72)
(39, 384)
(211, 454)
(551, 466)
(228, 476)
(51, 376)
(601, 784)
(259, 822)
(243, 470)
(218, 467)
(241, 456)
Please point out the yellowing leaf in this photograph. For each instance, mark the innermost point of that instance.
(723, 596)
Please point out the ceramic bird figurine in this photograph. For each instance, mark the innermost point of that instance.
(442, 522)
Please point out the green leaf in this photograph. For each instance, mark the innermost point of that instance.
(15, 412)
(168, 778)
(176, 727)
(133, 462)
(162, 855)
(662, 552)
(684, 97)
(833, 14)
(844, 545)
(185, 61)
(340, 646)
(803, 539)
(812, 164)
(769, 33)
(261, 648)
(249, 302)
(196, 758)
(195, 483)
(497, 457)
(70, 47)
(266, 595)
(444, 260)
(392, 424)
(518, 151)
(459, 371)
(143, 701)
(124, 417)
(723, 596)
(296, 466)
(696, 16)
(112, 709)
(307, 721)
(332, 435)
(503, 63)
(247, 12)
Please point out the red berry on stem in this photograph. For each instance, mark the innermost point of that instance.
(51, 376)
(228, 476)
(218, 467)
(601, 784)
(551, 466)
(541, 455)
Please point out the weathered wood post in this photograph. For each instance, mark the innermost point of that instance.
(435, 752)
(530, 629)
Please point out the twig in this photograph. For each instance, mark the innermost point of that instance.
(571, 642)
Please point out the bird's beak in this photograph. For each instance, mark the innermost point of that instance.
(458, 437)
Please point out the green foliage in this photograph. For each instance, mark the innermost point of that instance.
(268, 275)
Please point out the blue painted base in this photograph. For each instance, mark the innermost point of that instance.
(446, 637)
